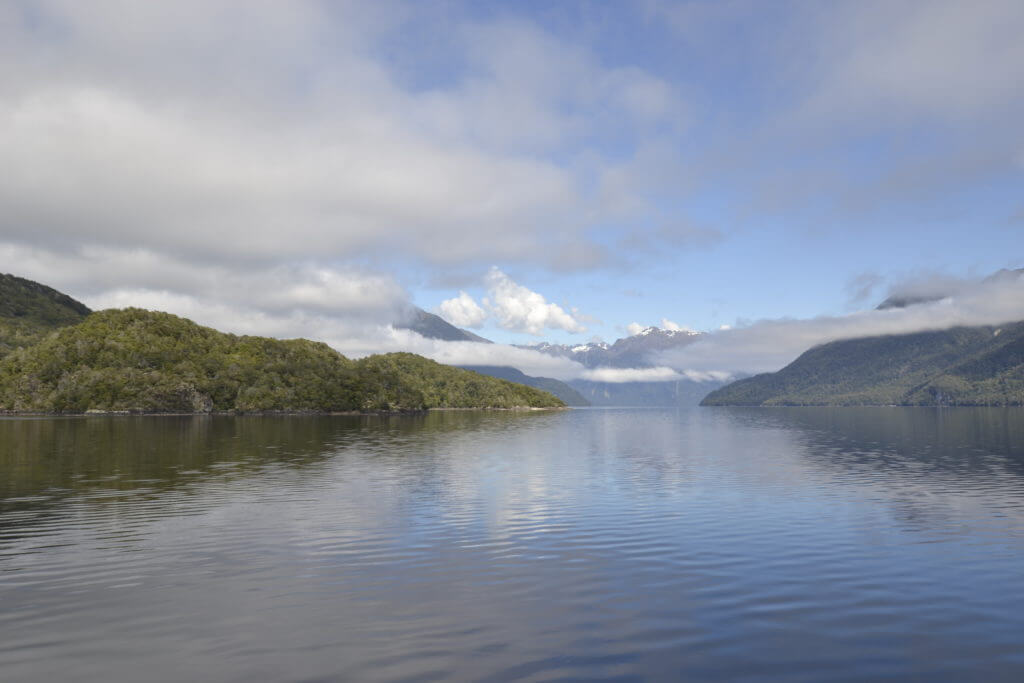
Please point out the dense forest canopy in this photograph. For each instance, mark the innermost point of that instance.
(144, 361)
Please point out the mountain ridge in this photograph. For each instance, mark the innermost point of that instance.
(434, 326)
(633, 351)
(30, 310)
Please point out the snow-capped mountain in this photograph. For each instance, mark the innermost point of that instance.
(627, 352)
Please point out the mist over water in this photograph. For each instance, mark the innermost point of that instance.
(714, 544)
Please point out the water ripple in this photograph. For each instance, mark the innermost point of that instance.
(585, 545)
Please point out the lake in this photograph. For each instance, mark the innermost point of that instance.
(598, 544)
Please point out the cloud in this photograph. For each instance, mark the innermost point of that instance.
(221, 131)
(520, 309)
(463, 311)
(513, 306)
(636, 328)
(860, 287)
(621, 375)
(930, 87)
(940, 58)
(768, 345)
(100, 276)
(667, 324)
(707, 376)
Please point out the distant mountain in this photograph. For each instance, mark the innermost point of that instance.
(29, 311)
(628, 352)
(435, 327)
(570, 396)
(960, 366)
(678, 393)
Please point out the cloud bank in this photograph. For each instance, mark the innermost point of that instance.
(224, 131)
(768, 345)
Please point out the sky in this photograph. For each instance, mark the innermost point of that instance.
(532, 170)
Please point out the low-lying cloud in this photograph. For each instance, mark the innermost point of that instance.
(621, 375)
(768, 345)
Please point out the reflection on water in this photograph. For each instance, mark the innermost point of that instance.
(798, 544)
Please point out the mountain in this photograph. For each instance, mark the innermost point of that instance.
(29, 311)
(143, 361)
(628, 352)
(959, 366)
(678, 393)
(435, 327)
(570, 396)
(636, 351)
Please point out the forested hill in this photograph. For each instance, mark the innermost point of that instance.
(29, 310)
(960, 366)
(143, 361)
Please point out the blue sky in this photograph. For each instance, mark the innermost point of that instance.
(826, 146)
(313, 168)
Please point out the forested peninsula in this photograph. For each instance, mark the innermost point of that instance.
(59, 357)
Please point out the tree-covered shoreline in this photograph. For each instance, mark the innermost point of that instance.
(133, 361)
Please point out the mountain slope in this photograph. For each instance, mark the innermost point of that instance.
(960, 366)
(570, 396)
(29, 311)
(144, 361)
(435, 327)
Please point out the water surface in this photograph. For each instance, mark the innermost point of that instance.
(709, 544)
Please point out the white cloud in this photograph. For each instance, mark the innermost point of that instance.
(522, 310)
(115, 277)
(635, 328)
(706, 376)
(940, 57)
(667, 324)
(620, 375)
(530, 362)
(221, 130)
(463, 311)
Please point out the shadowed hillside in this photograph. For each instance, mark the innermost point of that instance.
(29, 310)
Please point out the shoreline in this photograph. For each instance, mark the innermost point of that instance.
(280, 413)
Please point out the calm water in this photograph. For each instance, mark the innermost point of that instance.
(712, 544)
